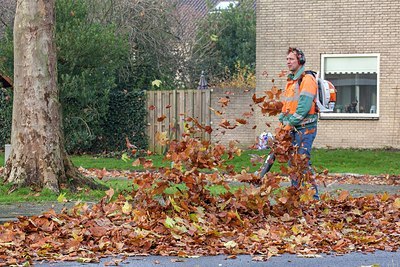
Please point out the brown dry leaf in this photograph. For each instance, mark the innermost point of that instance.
(147, 163)
(283, 73)
(128, 143)
(101, 173)
(113, 262)
(226, 124)
(161, 138)
(241, 121)
(224, 101)
(260, 258)
(396, 203)
(343, 195)
(269, 94)
(162, 118)
(208, 129)
(110, 193)
(216, 112)
(275, 90)
(248, 114)
(258, 100)
(136, 162)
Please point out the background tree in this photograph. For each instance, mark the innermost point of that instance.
(226, 42)
(38, 157)
(90, 55)
(151, 28)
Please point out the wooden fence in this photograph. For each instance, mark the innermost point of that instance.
(175, 106)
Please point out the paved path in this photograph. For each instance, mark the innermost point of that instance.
(10, 212)
(377, 259)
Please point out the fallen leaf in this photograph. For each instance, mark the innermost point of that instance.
(396, 203)
(230, 244)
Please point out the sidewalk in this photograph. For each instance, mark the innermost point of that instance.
(10, 212)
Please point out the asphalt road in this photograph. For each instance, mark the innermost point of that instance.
(377, 259)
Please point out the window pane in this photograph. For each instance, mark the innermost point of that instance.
(356, 92)
(351, 64)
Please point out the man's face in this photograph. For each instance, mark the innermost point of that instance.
(292, 62)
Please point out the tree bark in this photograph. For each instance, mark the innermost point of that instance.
(38, 156)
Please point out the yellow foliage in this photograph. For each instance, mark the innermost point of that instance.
(244, 78)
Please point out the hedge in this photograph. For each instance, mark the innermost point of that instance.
(5, 116)
(126, 117)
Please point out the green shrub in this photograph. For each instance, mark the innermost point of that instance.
(6, 69)
(5, 115)
(126, 118)
(89, 58)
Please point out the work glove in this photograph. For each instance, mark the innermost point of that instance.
(287, 127)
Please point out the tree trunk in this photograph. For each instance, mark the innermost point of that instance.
(38, 156)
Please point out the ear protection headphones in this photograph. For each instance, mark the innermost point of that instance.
(300, 55)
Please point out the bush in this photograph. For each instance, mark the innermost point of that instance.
(6, 69)
(5, 115)
(89, 58)
(126, 119)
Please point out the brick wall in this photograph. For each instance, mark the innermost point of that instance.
(336, 27)
(240, 103)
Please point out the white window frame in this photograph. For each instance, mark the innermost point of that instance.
(354, 115)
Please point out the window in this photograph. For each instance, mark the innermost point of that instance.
(356, 78)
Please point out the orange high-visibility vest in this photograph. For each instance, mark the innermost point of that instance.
(293, 91)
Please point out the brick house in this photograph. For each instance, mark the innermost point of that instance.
(352, 43)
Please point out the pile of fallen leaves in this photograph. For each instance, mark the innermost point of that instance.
(184, 212)
(186, 219)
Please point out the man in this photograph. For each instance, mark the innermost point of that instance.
(299, 114)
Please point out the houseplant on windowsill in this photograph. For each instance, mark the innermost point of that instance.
(338, 109)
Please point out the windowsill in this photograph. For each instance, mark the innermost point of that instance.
(349, 116)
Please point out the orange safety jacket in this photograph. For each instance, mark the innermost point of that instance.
(299, 107)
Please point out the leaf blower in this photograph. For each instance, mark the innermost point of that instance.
(263, 143)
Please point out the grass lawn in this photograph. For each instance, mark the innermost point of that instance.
(359, 161)
(28, 195)
(362, 161)
(372, 162)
